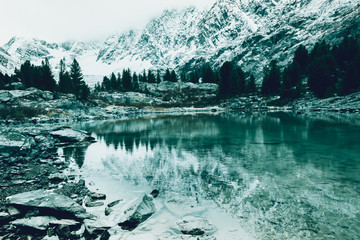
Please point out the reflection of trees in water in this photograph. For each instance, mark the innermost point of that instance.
(242, 135)
(78, 153)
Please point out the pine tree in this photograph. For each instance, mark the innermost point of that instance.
(127, 81)
(81, 90)
(173, 77)
(208, 75)
(2, 81)
(167, 76)
(183, 77)
(158, 79)
(106, 84)
(65, 83)
(291, 81)
(119, 83)
(351, 81)
(25, 74)
(301, 57)
(241, 82)
(226, 71)
(135, 82)
(194, 77)
(47, 78)
(251, 85)
(322, 76)
(76, 75)
(272, 79)
(151, 77)
(113, 82)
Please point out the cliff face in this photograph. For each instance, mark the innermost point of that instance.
(248, 32)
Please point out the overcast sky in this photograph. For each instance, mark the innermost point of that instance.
(60, 20)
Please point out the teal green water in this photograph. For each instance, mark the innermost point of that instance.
(281, 176)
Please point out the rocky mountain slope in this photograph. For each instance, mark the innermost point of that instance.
(6, 62)
(248, 32)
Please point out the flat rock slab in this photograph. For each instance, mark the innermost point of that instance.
(48, 200)
(70, 135)
(11, 139)
(43, 222)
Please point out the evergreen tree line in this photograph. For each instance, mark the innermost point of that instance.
(41, 77)
(130, 82)
(4, 80)
(328, 70)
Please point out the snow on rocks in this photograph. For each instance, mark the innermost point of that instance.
(137, 212)
(57, 177)
(69, 135)
(43, 222)
(33, 94)
(194, 226)
(12, 139)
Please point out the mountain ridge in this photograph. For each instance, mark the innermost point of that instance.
(248, 32)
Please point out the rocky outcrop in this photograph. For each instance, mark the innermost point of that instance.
(30, 94)
(68, 135)
(48, 201)
(135, 213)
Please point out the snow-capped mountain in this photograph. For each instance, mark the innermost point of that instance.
(249, 32)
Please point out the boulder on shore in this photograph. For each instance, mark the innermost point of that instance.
(194, 226)
(68, 135)
(137, 212)
(49, 202)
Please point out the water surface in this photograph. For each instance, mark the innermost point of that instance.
(280, 176)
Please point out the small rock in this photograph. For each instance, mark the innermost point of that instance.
(97, 196)
(18, 182)
(155, 193)
(57, 177)
(108, 211)
(194, 226)
(43, 161)
(74, 196)
(71, 177)
(89, 202)
(94, 204)
(81, 182)
(114, 203)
